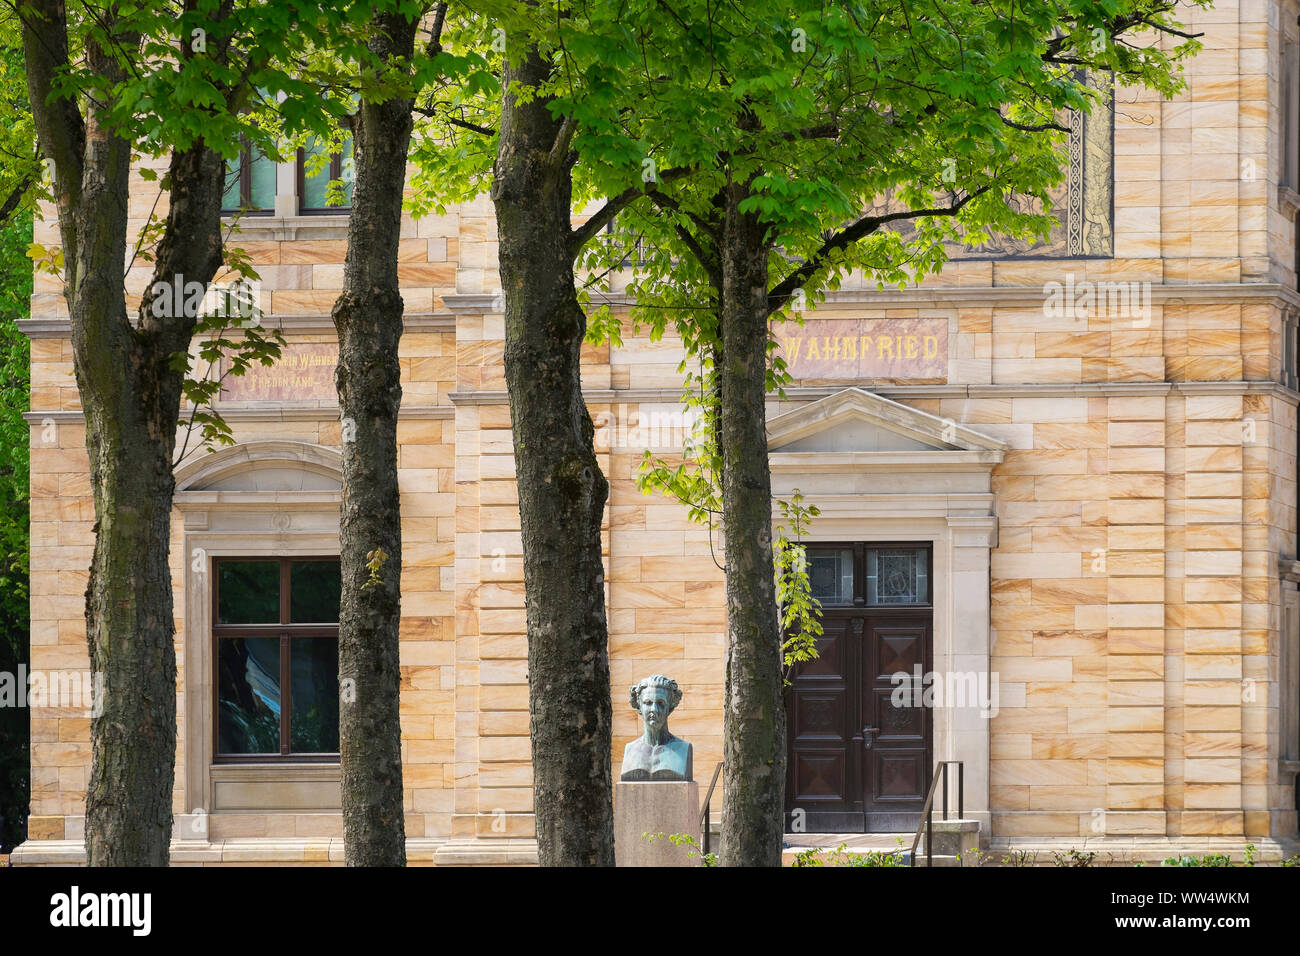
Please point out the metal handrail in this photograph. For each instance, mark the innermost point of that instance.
(704, 815)
(927, 811)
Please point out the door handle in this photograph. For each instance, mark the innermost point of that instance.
(866, 736)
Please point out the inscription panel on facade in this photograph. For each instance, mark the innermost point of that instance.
(903, 350)
(304, 372)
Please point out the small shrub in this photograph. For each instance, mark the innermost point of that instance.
(1074, 857)
(810, 857)
(1248, 856)
(685, 839)
(875, 858)
(841, 856)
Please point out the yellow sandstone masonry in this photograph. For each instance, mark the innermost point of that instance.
(1109, 497)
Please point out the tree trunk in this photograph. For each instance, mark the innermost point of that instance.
(131, 425)
(562, 492)
(368, 317)
(130, 394)
(754, 712)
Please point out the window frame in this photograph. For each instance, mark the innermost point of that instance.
(300, 176)
(246, 184)
(285, 631)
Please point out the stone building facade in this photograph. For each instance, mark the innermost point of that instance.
(1076, 465)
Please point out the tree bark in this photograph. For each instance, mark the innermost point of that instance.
(368, 318)
(130, 395)
(754, 711)
(131, 422)
(562, 491)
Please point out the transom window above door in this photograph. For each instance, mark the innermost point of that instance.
(874, 575)
(276, 634)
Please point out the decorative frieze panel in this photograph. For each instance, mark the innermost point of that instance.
(1083, 204)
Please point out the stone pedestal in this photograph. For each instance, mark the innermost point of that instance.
(654, 807)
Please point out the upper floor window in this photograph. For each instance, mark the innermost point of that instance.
(325, 181)
(275, 628)
(250, 183)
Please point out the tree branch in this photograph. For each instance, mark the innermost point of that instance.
(60, 127)
(708, 262)
(1032, 127)
(580, 236)
(784, 290)
(824, 131)
(563, 139)
(434, 46)
(15, 199)
(466, 124)
(1165, 29)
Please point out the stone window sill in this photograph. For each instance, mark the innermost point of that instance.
(288, 228)
(269, 787)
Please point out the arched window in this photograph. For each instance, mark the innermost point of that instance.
(261, 594)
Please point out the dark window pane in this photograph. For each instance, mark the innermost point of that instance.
(248, 592)
(898, 576)
(248, 688)
(831, 575)
(314, 719)
(314, 588)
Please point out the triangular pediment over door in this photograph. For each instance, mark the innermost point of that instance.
(855, 420)
(856, 444)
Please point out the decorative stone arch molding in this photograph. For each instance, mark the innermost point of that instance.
(263, 466)
(272, 498)
(879, 470)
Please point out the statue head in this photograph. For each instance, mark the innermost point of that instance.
(654, 698)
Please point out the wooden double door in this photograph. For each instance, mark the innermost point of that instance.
(860, 748)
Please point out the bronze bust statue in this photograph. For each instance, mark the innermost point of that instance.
(656, 754)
